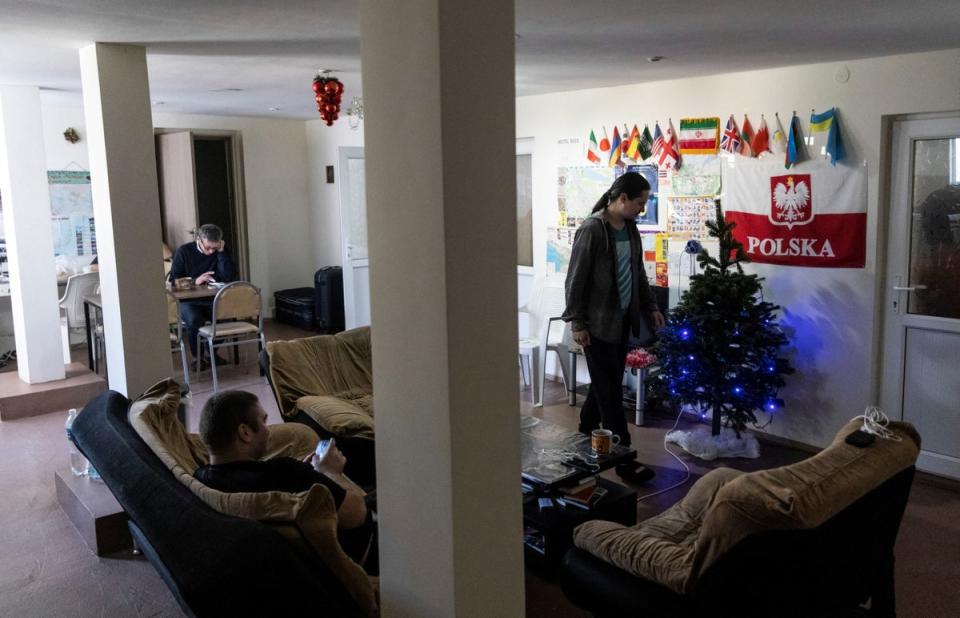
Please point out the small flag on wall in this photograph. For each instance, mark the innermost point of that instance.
(625, 144)
(615, 148)
(604, 141)
(592, 149)
(674, 145)
(699, 135)
(731, 137)
(646, 143)
(746, 138)
(657, 141)
(761, 141)
(667, 156)
(779, 143)
(829, 123)
(795, 149)
(634, 147)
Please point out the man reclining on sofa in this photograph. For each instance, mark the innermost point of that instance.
(233, 427)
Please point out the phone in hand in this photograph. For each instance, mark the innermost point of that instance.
(323, 447)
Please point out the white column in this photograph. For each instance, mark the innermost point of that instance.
(26, 222)
(126, 205)
(438, 87)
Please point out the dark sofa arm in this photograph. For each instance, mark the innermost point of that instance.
(605, 590)
(205, 557)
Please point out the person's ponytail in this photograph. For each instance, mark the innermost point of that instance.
(631, 183)
(602, 202)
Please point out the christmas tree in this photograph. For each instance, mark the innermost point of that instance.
(720, 347)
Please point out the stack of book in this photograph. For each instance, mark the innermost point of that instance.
(582, 495)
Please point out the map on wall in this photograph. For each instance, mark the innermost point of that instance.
(559, 246)
(71, 211)
(578, 189)
(699, 176)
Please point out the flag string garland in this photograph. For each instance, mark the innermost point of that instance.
(666, 146)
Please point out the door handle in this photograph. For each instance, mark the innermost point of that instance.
(909, 288)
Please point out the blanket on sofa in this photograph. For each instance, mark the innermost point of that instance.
(329, 377)
(724, 507)
(312, 513)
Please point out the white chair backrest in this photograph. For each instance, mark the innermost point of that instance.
(78, 286)
(553, 304)
(547, 300)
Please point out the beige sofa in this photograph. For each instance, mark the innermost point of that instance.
(326, 382)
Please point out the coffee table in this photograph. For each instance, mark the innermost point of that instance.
(555, 457)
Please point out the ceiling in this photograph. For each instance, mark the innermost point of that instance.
(244, 57)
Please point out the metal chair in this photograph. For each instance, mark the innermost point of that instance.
(235, 309)
(176, 333)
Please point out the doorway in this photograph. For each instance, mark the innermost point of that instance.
(353, 238)
(200, 174)
(921, 372)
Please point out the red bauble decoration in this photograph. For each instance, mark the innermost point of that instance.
(328, 93)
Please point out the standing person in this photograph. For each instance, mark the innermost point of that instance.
(205, 261)
(608, 298)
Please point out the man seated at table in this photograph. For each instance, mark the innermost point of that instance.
(205, 261)
(233, 426)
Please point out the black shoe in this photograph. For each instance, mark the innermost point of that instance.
(635, 472)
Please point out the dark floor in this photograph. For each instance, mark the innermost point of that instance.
(47, 570)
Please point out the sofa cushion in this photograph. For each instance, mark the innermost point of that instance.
(153, 417)
(677, 547)
(320, 365)
(347, 413)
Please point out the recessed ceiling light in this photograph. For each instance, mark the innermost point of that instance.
(226, 90)
(159, 102)
(654, 58)
(517, 36)
(273, 109)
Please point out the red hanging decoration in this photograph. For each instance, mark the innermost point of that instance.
(328, 91)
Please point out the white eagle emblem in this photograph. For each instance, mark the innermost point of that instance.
(790, 200)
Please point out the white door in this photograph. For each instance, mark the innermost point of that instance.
(353, 238)
(921, 367)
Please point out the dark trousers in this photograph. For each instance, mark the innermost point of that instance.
(606, 362)
(195, 313)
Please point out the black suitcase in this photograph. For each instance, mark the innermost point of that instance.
(295, 307)
(328, 299)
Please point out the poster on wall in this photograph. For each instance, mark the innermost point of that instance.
(71, 211)
(559, 246)
(578, 189)
(651, 219)
(813, 214)
(699, 176)
(689, 216)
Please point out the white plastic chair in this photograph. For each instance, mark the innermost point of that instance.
(546, 332)
(71, 305)
(529, 343)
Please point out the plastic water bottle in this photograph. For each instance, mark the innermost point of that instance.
(78, 463)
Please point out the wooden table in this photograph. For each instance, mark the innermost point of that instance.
(96, 302)
(202, 291)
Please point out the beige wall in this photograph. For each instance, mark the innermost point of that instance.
(276, 178)
(323, 144)
(832, 314)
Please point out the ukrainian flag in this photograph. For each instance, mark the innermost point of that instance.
(827, 122)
